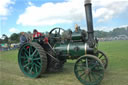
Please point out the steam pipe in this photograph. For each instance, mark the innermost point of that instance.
(88, 11)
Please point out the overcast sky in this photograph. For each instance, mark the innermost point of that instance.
(43, 15)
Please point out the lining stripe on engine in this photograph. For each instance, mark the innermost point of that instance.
(85, 48)
(68, 48)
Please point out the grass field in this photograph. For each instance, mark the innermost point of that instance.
(116, 73)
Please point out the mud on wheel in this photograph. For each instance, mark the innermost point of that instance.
(89, 70)
(32, 60)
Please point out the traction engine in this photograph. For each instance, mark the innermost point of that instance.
(38, 57)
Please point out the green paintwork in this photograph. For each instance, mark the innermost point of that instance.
(77, 49)
(89, 70)
(72, 49)
(29, 60)
(61, 47)
(76, 36)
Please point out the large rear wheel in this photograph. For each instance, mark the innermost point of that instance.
(32, 60)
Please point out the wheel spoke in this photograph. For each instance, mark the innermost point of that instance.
(39, 63)
(27, 64)
(34, 52)
(26, 61)
(86, 76)
(89, 77)
(86, 62)
(36, 69)
(25, 50)
(36, 59)
(82, 74)
(100, 56)
(26, 54)
(81, 66)
(36, 65)
(31, 68)
(94, 77)
(93, 66)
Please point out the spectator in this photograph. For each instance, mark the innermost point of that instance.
(23, 39)
(28, 36)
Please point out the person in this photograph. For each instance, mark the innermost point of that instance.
(37, 35)
(77, 28)
(29, 36)
(23, 39)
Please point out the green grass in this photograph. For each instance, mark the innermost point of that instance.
(116, 73)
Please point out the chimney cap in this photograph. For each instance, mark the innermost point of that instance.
(87, 1)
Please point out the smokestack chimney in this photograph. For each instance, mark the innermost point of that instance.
(88, 10)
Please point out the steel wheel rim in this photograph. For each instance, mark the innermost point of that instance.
(29, 61)
(89, 73)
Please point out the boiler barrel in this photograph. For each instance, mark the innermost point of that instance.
(73, 50)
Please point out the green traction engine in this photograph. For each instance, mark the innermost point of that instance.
(38, 57)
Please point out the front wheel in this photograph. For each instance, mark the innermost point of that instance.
(89, 70)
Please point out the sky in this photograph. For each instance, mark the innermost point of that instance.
(25, 15)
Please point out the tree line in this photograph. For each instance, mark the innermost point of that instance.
(115, 32)
(14, 38)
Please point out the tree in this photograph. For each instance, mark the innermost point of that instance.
(101, 34)
(5, 38)
(14, 38)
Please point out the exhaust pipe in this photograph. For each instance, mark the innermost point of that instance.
(88, 11)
